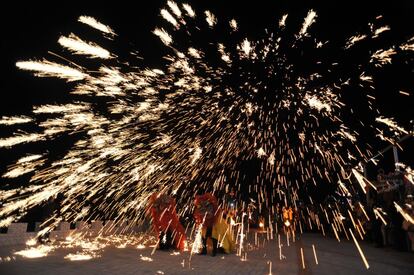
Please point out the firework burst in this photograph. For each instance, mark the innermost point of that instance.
(189, 124)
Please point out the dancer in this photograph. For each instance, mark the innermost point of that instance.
(166, 224)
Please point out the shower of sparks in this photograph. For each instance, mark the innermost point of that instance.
(174, 7)
(282, 21)
(245, 48)
(163, 35)
(198, 242)
(210, 18)
(191, 123)
(15, 120)
(403, 213)
(167, 16)
(409, 46)
(378, 31)
(315, 102)
(382, 57)
(354, 39)
(233, 25)
(78, 46)
(392, 124)
(50, 69)
(19, 139)
(309, 20)
(189, 10)
(95, 24)
(23, 166)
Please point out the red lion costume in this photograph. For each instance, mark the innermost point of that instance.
(206, 207)
(165, 219)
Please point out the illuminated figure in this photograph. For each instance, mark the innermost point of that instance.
(287, 214)
(214, 225)
(165, 222)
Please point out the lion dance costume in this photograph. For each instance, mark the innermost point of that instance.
(214, 225)
(165, 222)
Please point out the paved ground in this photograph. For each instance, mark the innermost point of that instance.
(333, 257)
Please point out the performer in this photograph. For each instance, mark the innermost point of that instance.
(288, 219)
(165, 222)
(214, 227)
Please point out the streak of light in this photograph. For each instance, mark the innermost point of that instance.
(314, 254)
(78, 46)
(359, 250)
(49, 69)
(302, 257)
(309, 20)
(95, 24)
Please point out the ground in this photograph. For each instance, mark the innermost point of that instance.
(333, 258)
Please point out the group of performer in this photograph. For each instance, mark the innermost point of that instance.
(207, 214)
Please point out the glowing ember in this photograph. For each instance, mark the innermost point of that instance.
(50, 69)
(78, 257)
(78, 46)
(31, 242)
(146, 259)
(35, 252)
